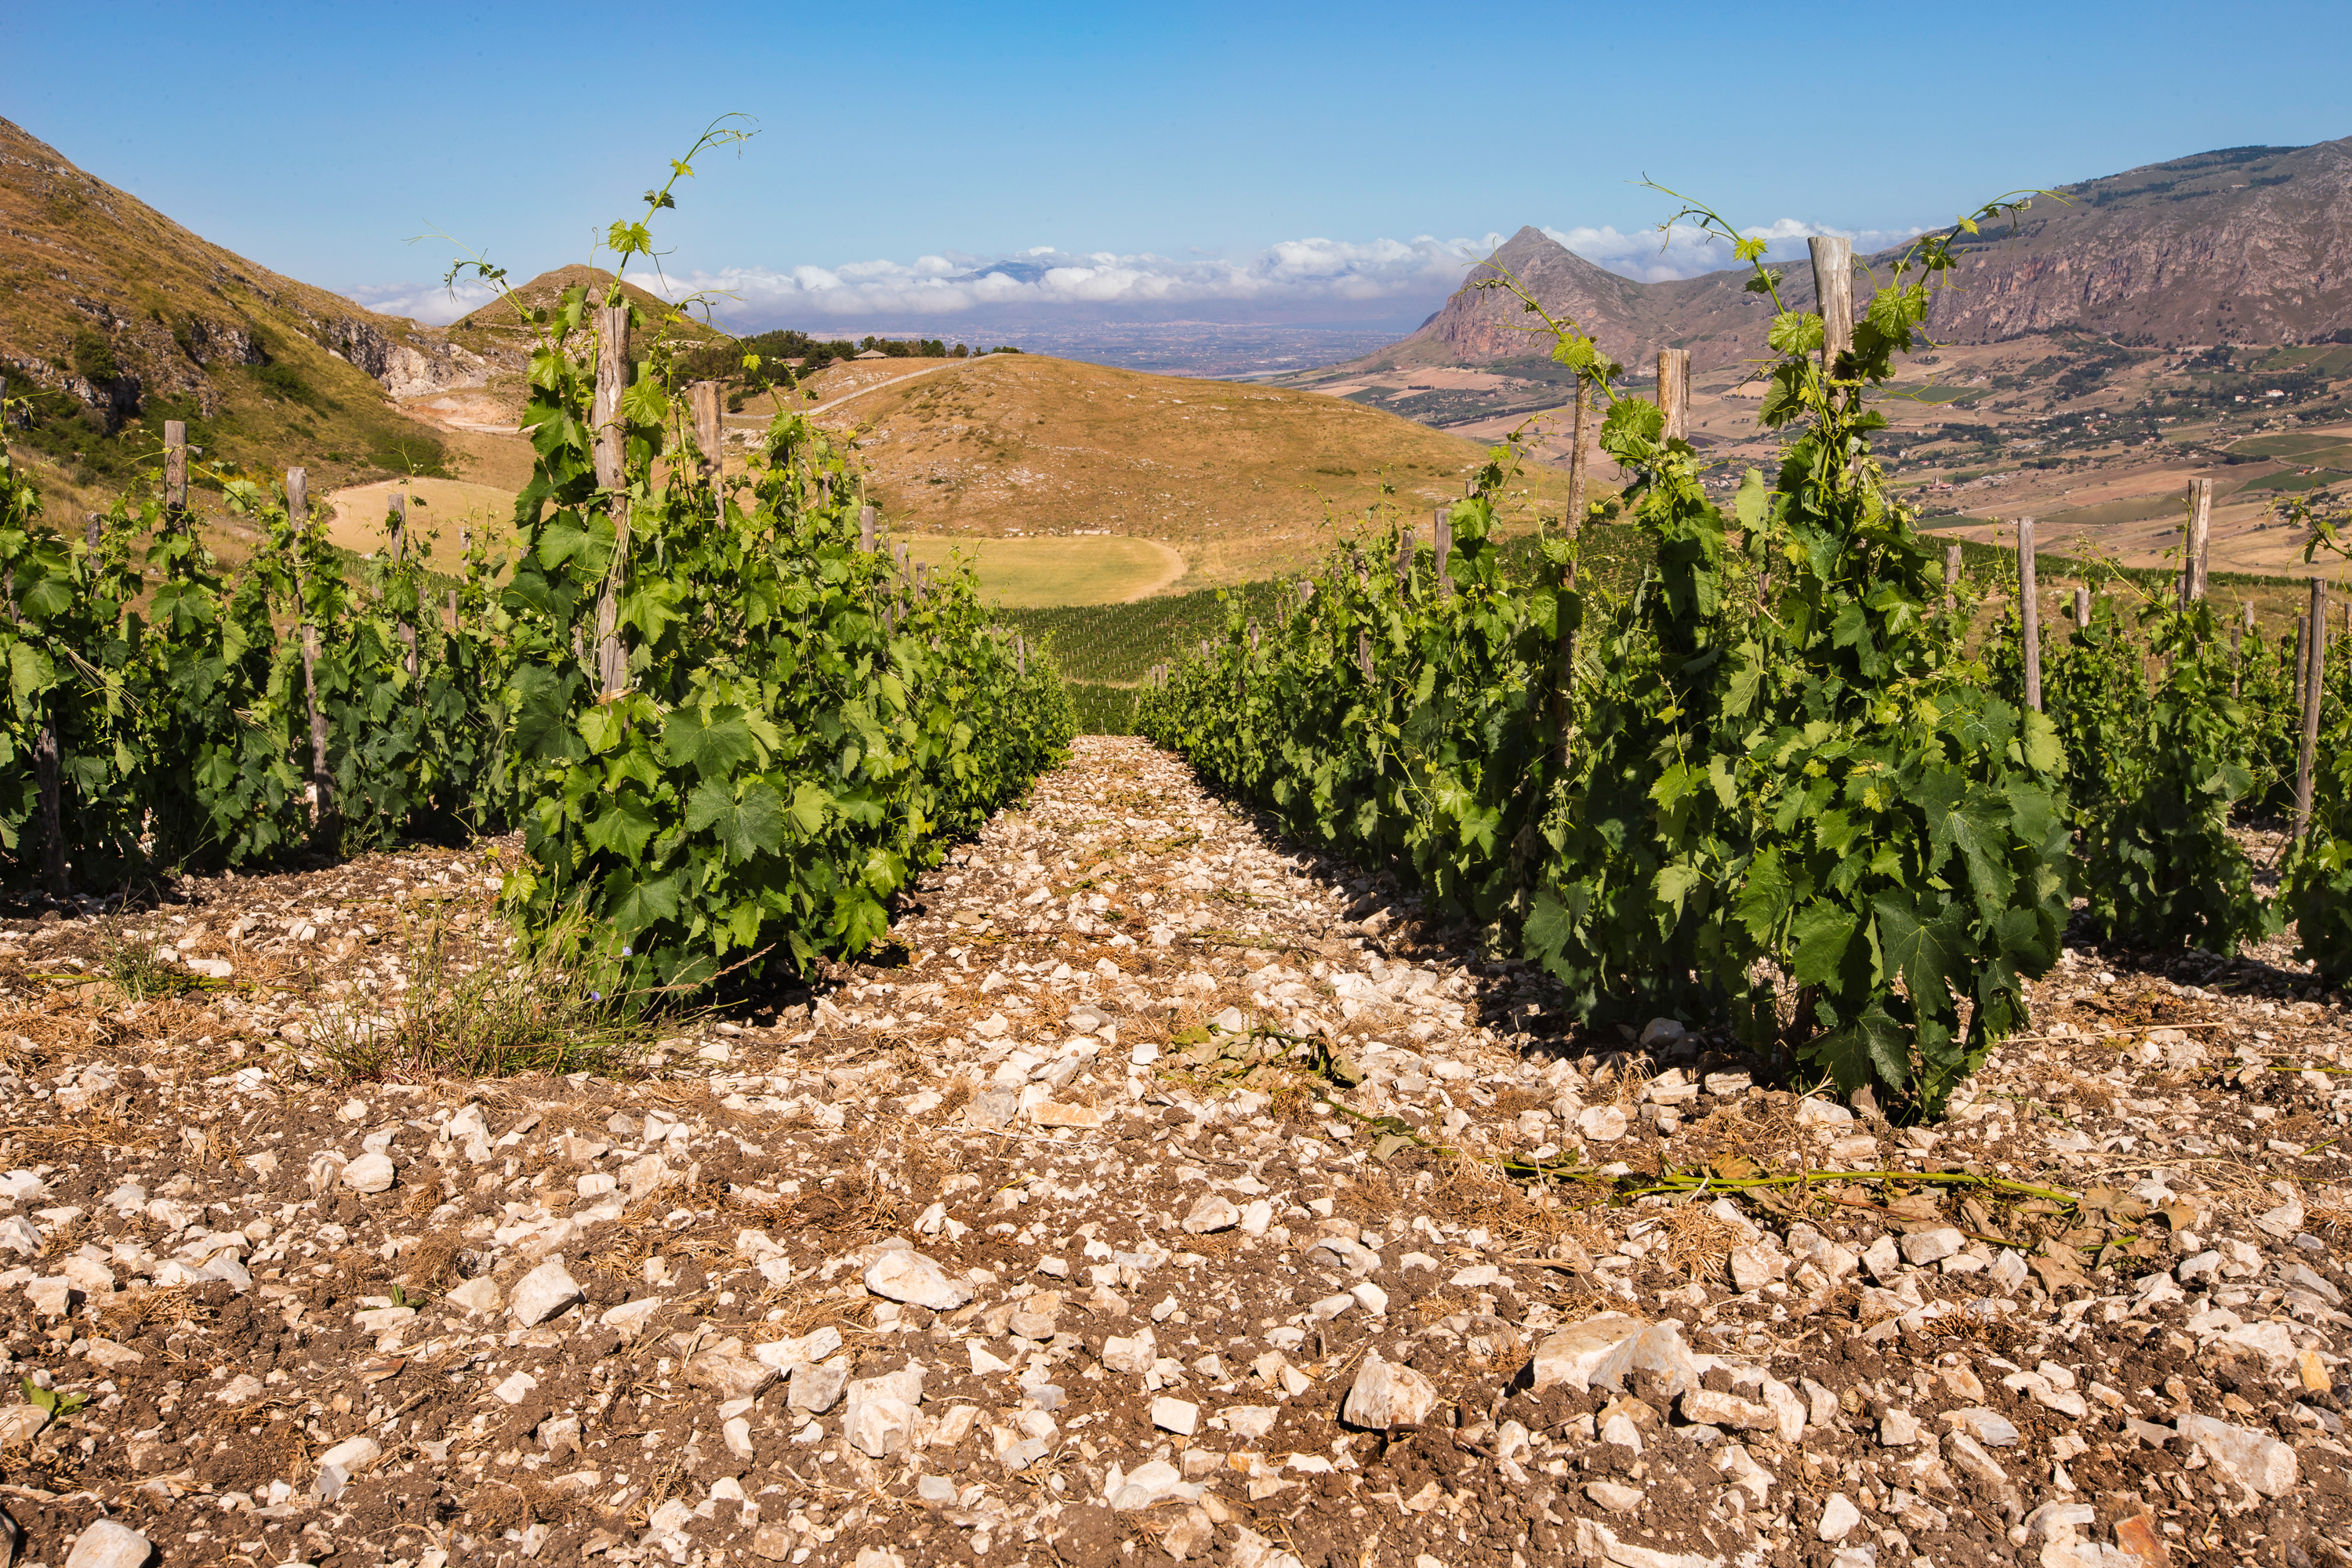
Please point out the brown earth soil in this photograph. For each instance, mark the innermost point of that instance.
(1188, 1294)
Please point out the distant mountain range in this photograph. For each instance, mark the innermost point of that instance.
(2246, 245)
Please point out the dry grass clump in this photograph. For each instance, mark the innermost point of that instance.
(1698, 1242)
(558, 1009)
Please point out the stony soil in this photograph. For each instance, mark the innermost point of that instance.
(1150, 1201)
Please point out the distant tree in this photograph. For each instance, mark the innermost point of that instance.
(959, 351)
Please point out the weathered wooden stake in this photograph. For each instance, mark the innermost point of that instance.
(2029, 614)
(866, 529)
(1951, 577)
(1404, 558)
(323, 781)
(1563, 669)
(2082, 608)
(1575, 475)
(408, 627)
(1674, 392)
(1442, 527)
(2302, 657)
(175, 472)
(2196, 536)
(2314, 695)
(1363, 634)
(1833, 292)
(702, 398)
(612, 475)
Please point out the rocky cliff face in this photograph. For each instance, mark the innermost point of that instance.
(77, 255)
(409, 369)
(2249, 245)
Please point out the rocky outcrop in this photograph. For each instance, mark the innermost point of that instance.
(409, 369)
(2247, 245)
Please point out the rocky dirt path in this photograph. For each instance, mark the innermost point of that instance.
(1146, 1205)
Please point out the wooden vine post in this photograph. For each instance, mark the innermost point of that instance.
(466, 554)
(1951, 577)
(866, 529)
(2029, 614)
(2314, 694)
(2302, 657)
(1363, 634)
(2197, 538)
(176, 473)
(702, 398)
(1674, 392)
(1833, 290)
(1442, 532)
(399, 519)
(612, 478)
(1563, 668)
(297, 518)
(2082, 608)
(2237, 646)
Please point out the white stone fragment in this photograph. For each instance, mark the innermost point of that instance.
(109, 1543)
(1601, 1124)
(1602, 1353)
(1214, 1211)
(1249, 1422)
(370, 1173)
(541, 1293)
(1922, 1248)
(1177, 1416)
(1385, 1396)
(353, 1455)
(1839, 1516)
(475, 1296)
(2255, 1459)
(916, 1280)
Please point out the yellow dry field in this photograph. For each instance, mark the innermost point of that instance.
(1041, 573)
(1241, 480)
(445, 506)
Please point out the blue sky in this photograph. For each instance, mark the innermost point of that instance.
(1211, 161)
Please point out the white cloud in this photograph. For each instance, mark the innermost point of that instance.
(1649, 257)
(428, 302)
(1299, 279)
(1296, 281)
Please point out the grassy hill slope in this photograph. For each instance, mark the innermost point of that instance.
(1244, 481)
(113, 318)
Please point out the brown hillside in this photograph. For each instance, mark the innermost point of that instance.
(1241, 479)
(496, 325)
(114, 318)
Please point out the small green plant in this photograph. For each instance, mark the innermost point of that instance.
(93, 355)
(135, 966)
(557, 1008)
(58, 1406)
